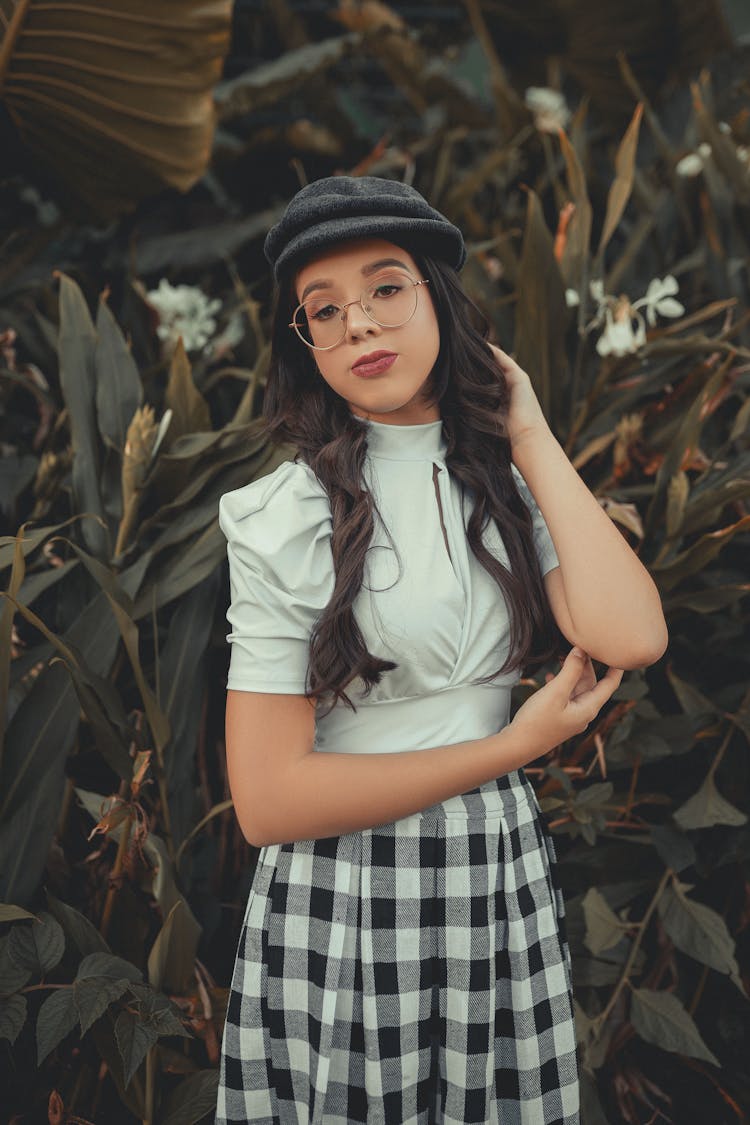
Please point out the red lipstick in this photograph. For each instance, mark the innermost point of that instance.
(374, 363)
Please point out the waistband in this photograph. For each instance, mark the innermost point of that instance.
(442, 718)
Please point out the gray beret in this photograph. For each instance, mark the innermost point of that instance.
(339, 207)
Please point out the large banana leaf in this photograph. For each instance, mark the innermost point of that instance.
(115, 97)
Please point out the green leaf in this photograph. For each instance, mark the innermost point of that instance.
(134, 1039)
(186, 930)
(38, 947)
(691, 700)
(108, 966)
(33, 537)
(119, 391)
(660, 1018)
(158, 1011)
(632, 686)
(12, 1016)
(272, 81)
(686, 439)
(597, 794)
(674, 847)
(561, 777)
(540, 341)
(122, 608)
(38, 738)
(182, 682)
(94, 995)
(12, 976)
(678, 490)
(697, 930)
(622, 184)
(77, 928)
(159, 956)
(76, 349)
(697, 557)
(10, 913)
(192, 1099)
(89, 687)
(708, 502)
(57, 1017)
(189, 408)
(603, 928)
(102, 1034)
(165, 1021)
(707, 807)
(575, 259)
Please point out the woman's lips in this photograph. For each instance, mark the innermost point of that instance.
(365, 370)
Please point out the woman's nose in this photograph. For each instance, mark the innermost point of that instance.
(358, 322)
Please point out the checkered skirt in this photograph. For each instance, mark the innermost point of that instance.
(416, 973)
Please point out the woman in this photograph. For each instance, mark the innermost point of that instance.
(404, 955)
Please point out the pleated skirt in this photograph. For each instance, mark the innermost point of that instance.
(409, 974)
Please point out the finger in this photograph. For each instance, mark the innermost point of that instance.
(601, 692)
(587, 678)
(573, 665)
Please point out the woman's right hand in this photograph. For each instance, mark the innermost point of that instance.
(566, 704)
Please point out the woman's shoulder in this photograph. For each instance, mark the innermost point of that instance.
(290, 485)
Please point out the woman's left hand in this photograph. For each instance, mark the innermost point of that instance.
(525, 415)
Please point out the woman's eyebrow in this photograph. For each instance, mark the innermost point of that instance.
(370, 267)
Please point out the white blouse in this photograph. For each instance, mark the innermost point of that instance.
(426, 602)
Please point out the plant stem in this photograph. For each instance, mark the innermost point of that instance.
(150, 1087)
(115, 874)
(642, 925)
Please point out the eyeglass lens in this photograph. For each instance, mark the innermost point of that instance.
(390, 300)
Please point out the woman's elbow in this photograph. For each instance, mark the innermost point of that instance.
(251, 825)
(649, 650)
(629, 651)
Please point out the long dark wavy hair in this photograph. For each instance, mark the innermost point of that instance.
(473, 397)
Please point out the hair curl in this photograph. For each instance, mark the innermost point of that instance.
(300, 408)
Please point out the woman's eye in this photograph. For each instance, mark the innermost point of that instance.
(325, 313)
(387, 290)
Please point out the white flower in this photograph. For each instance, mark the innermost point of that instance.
(660, 299)
(184, 311)
(624, 326)
(596, 289)
(690, 165)
(694, 162)
(548, 107)
(571, 298)
(620, 336)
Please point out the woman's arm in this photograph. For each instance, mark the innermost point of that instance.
(284, 790)
(602, 596)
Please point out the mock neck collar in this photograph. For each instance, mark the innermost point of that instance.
(422, 442)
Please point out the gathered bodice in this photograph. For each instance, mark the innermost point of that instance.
(426, 601)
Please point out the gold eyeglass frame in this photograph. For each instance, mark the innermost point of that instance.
(344, 310)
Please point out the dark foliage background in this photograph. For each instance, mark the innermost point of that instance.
(126, 413)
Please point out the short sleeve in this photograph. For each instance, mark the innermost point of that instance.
(278, 532)
(545, 548)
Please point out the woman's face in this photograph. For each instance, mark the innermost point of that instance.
(395, 395)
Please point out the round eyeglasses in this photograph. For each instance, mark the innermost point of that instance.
(389, 300)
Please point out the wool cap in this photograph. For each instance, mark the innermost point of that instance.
(339, 207)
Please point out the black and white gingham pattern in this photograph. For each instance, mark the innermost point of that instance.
(416, 973)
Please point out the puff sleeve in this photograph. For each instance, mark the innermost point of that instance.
(278, 532)
(545, 548)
